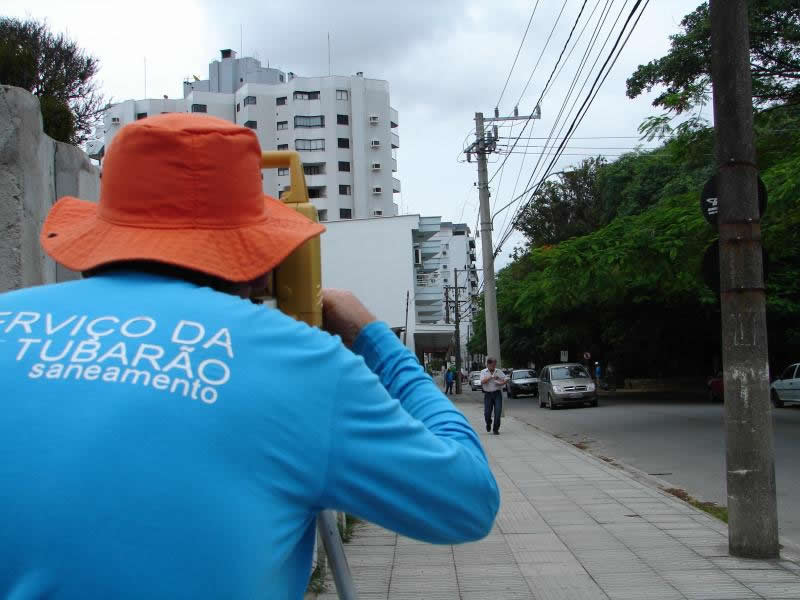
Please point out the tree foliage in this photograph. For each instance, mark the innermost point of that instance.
(684, 74)
(57, 71)
(632, 291)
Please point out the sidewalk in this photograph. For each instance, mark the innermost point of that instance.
(570, 527)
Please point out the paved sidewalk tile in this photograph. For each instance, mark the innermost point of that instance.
(570, 527)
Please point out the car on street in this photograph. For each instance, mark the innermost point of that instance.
(522, 381)
(783, 390)
(564, 384)
(786, 388)
(475, 380)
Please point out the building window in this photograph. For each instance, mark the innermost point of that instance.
(282, 78)
(345, 190)
(313, 169)
(283, 171)
(341, 94)
(199, 108)
(316, 121)
(344, 166)
(249, 100)
(342, 120)
(280, 101)
(144, 115)
(283, 125)
(345, 213)
(444, 267)
(238, 107)
(309, 145)
(306, 95)
(322, 214)
(316, 192)
(344, 142)
(283, 146)
(251, 124)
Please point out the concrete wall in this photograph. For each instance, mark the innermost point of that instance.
(373, 258)
(35, 171)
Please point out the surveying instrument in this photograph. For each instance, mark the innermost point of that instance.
(296, 290)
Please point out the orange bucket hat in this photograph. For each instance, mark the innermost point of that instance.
(183, 190)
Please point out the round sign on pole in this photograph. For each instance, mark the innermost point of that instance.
(709, 201)
(587, 356)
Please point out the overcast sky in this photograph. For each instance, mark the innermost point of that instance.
(444, 60)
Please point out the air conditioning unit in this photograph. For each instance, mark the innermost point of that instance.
(375, 143)
(377, 190)
(376, 166)
(377, 213)
(115, 120)
(373, 119)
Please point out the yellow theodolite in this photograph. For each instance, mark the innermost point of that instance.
(296, 288)
(297, 281)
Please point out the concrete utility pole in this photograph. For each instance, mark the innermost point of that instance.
(483, 146)
(482, 149)
(458, 332)
(750, 457)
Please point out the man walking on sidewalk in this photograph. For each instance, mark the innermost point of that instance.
(492, 382)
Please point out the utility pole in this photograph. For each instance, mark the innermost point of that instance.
(750, 456)
(458, 332)
(483, 146)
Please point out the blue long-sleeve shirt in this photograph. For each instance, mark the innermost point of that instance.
(162, 440)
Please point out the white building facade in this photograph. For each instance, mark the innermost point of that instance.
(343, 127)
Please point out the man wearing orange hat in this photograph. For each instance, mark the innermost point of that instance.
(164, 438)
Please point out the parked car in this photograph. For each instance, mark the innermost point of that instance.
(716, 393)
(566, 383)
(475, 380)
(786, 388)
(522, 381)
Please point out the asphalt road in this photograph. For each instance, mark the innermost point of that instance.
(678, 439)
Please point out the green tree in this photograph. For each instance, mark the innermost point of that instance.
(684, 73)
(564, 208)
(57, 71)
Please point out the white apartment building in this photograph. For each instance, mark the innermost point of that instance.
(343, 127)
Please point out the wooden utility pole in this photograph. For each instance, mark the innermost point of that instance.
(750, 458)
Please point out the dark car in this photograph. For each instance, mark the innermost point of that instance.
(522, 381)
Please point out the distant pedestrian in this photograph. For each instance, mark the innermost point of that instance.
(611, 377)
(492, 382)
(449, 378)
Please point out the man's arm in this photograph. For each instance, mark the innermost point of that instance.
(486, 379)
(402, 455)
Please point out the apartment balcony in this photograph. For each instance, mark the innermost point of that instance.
(394, 120)
(431, 263)
(430, 248)
(395, 140)
(428, 290)
(472, 244)
(395, 185)
(429, 226)
(472, 257)
(394, 165)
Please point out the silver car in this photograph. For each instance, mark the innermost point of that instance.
(566, 383)
(475, 380)
(522, 381)
(786, 388)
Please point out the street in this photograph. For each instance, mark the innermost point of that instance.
(678, 439)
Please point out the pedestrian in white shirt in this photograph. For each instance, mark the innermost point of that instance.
(492, 382)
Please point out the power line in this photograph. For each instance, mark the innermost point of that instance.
(525, 35)
(541, 96)
(589, 47)
(582, 111)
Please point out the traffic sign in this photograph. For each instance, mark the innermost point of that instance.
(587, 355)
(709, 202)
(564, 356)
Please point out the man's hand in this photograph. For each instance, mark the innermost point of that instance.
(344, 315)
